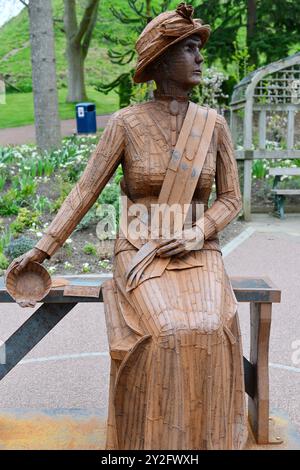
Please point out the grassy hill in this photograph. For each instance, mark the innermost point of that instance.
(15, 47)
(15, 62)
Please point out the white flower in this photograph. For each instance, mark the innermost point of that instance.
(69, 240)
(68, 265)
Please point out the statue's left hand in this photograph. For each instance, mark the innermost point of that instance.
(191, 239)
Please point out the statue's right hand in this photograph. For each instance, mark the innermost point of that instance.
(32, 255)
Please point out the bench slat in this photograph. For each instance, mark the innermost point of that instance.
(287, 192)
(246, 289)
(284, 171)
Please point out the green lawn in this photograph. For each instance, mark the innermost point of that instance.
(18, 110)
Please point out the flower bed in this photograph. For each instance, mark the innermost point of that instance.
(32, 189)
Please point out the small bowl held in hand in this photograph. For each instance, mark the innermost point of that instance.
(30, 285)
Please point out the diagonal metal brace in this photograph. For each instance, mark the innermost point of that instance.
(31, 332)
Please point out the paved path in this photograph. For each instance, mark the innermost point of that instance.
(26, 134)
(273, 250)
(69, 369)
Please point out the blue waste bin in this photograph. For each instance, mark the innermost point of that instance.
(86, 118)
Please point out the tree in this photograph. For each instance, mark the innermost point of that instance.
(122, 50)
(271, 28)
(277, 29)
(47, 123)
(78, 39)
(251, 30)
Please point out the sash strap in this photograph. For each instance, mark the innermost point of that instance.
(180, 181)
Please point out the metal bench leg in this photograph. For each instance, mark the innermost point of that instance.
(279, 200)
(31, 332)
(261, 315)
(279, 206)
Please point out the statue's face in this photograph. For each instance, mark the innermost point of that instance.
(182, 63)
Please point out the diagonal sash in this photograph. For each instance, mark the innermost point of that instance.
(187, 160)
(181, 179)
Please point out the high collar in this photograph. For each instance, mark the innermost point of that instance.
(166, 97)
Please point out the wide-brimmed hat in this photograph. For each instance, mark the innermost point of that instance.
(166, 29)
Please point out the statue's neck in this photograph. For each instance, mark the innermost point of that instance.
(170, 88)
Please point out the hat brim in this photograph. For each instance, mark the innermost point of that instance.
(141, 75)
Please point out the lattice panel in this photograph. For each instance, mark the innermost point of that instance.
(282, 87)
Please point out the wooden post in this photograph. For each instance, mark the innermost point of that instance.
(260, 317)
(233, 126)
(247, 162)
(247, 189)
(290, 128)
(262, 129)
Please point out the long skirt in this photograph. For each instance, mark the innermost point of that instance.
(177, 377)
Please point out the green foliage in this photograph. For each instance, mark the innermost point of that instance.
(4, 263)
(240, 61)
(123, 85)
(104, 264)
(90, 249)
(24, 185)
(8, 205)
(3, 179)
(259, 169)
(41, 204)
(25, 219)
(276, 29)
(89, 219)
(134, 16)
(65, 189)
(10, 115)
(118, 175)
(111, 195)
(14, 36)
(276, 35)
(211, 93)
(86, 268)
(18, 247)
(5, 237)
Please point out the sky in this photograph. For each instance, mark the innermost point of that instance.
(8, 9)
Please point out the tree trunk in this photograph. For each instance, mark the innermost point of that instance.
(251, 30)
(47, 122)
(76, 83)
(78, 41)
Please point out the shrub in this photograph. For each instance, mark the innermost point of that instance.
(8, 204)
(90, 249)
(18, 247)
(4, 263)
(25, 219)
(89, 219)
(3, 179)
(86, 268)
(5, 237)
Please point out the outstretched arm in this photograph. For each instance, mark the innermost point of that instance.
(97, 173)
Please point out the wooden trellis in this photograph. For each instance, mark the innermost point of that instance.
(272, 89)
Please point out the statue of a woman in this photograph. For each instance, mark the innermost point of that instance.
(176, 361)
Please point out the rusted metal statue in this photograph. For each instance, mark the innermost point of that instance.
(176, 361)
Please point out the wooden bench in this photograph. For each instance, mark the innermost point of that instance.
(281, 193)
(259, 292)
